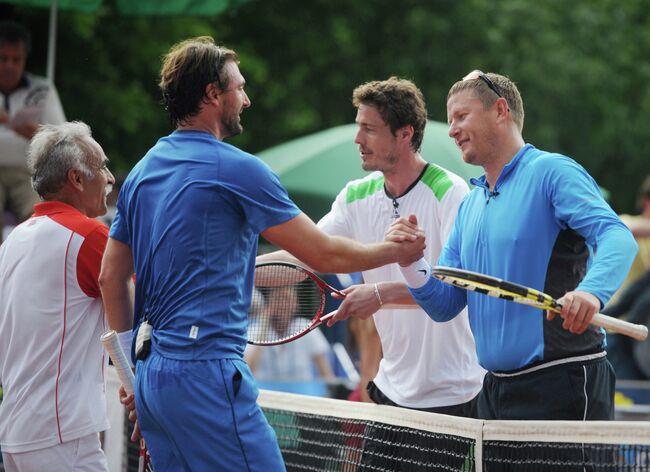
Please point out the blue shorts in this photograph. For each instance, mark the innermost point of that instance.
(203, 415)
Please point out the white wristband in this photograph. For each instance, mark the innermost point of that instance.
(126, 339)
(416, 274)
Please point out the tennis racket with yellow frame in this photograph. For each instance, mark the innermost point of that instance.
(498, 288)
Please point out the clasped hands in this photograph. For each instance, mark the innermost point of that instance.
(362, 301)
(411, 238)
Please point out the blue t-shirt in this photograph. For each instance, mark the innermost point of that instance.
(539, 228)
(191, 211)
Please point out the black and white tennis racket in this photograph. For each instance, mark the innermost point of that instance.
(124, 372)
(495, 287)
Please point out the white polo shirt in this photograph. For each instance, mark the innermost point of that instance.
(51, 319)
(425, 364)
(36, 99)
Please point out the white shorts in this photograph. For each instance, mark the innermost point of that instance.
(80, 455)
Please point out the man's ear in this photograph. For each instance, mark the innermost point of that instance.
(502, 107)
(76, 179)
(211, 92)
(406, 133)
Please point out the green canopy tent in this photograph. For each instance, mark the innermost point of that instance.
(125, 7)
(316, 167)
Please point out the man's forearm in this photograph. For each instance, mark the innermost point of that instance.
(343, 255)
(395, 293)
(116, 284)
(302, 238)
(440, 301)
(334, 262)
(613, 258)
(118, 304)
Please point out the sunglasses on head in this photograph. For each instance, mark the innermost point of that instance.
(480, 75)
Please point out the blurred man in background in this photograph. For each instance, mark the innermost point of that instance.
(296, 361)
(25, 102)
(639, 224)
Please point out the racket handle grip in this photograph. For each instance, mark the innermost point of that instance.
(142, 457)
(636, 331)
(114, 349)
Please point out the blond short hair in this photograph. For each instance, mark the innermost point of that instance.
(487, 96)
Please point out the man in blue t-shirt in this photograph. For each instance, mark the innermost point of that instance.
(188, 219)
(538, 219)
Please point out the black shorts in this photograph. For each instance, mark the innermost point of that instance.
(467, 409)
(572, 391)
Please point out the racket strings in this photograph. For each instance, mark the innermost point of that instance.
(284, 304)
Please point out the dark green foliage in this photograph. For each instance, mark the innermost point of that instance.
(582, 67)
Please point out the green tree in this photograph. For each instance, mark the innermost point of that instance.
(581, 66)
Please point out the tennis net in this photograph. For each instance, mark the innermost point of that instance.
(320, 434)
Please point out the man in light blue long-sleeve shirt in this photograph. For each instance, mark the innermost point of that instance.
(538, 219)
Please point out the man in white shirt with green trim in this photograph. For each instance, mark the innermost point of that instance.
(425, 366)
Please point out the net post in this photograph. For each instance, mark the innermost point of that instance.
(478, 449)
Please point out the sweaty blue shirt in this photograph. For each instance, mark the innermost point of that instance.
(539, 228)
(191, 211)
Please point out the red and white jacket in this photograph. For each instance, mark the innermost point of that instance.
(51, 318)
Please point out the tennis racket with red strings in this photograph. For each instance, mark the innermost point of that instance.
(498, 288)
(124, 372)
(288, 302)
